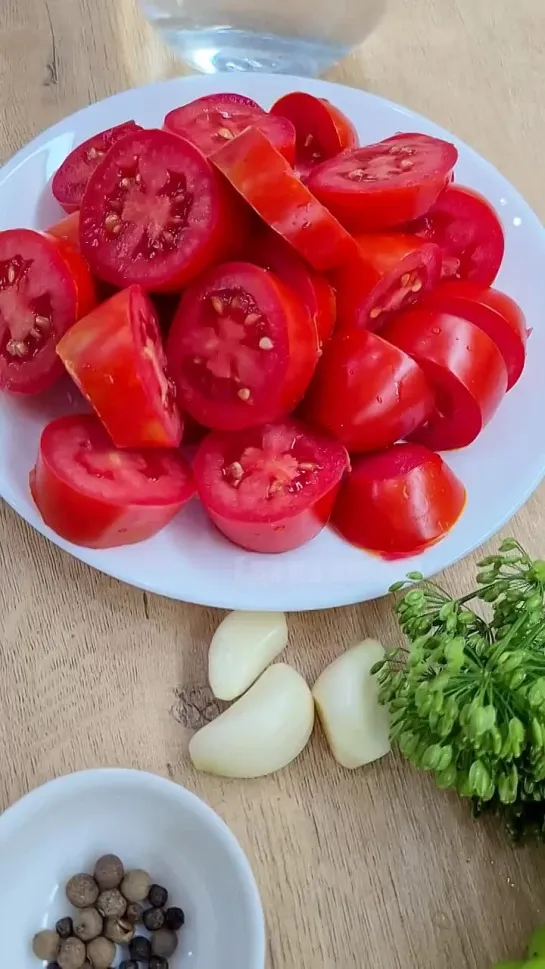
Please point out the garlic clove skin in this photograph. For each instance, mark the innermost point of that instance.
(244, 644)
(260, 733)
(346, 695)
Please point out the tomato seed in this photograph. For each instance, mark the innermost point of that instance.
(308, 141)
(252, 318)
(218, 305)
(168, 236)
(112, 222)
(307, 466)
(236, 469)
(357, 174)
(138, 179)
(265, 343)
(243, 393)
(405, 164)
(17, 348)
(376, 311)
(11, 274)
(225, 133)
(42, 322)
(405, 279)
(125, 183)
(236, 303)
(416, 286)
(274, 488)
(93, 154)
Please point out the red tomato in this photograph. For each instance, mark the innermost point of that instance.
(67, 228)
(382, 186)
(264, 179)
(92, 494)
(45, 286)
(269, 488)
(215, 119)
(70, 180)
(387, 274)
(116, 358)
(193, 432)
(494, 312)
(242, 348)
(469, 232)
(464, 367)
(367, 393)
(154, 213)
(322, 130)
(270, 251)
(399, 502)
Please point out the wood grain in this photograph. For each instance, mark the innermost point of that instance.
(373, 868)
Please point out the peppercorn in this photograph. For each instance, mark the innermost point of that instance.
(136, 885)
(158, 962)
(157, 896)
(71, 954)
(163, 943)
(109, 872)
(52, 965)
(87, 924)
(154, 919)
(82, 890)
(134, 912)
(45, 945)
(174, 918)
(111, 903)
(65, 928)
(101, 953)
(119, 930)
(140, 949)
(128, 964)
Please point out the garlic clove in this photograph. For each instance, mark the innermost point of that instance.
(346, 695)
(260, 733)
(244, 644)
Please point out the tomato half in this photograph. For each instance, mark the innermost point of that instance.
(262, 176)
(215, 119)
(464, 367)
(116, 358)
(367, 393)
(382, 186)
(399, 502)
(387, 274)
(321, 129)
(494, 312)
(242, 348)
(269, 488)
(94, 495)
(469, 232)
(45, 286)
(70, 180)
(155, 213)
(67, 228)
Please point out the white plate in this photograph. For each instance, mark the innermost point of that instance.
(190, 560)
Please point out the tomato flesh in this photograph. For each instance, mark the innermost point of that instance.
(269, 488)
(116, 358)
(387, 274)
(322, 130)
(399, 502)
(70, 180)
(68, 229)
(242, 348)
(91, 494)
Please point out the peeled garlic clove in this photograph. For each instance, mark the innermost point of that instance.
(262, 732)
(242, 647)
(346, 694)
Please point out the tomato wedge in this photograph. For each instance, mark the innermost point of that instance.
(382, 186)
(91, 494)
(399, 502)
(367, 393)
(493, 312)
(387, 274)
(67, 228)
(116, 358)
(465, 368)
(215, 119)
(155, 213)
(469, 232)
(262, 176)
(242, 348)
(45, 286)
(321, 129)
(70, 180)
(270, 488)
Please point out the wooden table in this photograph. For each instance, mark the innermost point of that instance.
(369, 869)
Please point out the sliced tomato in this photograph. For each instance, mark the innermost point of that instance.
(493, 312)
(215, 119)
(270, 251)
(383, 186)
(269, 488)
(242, 348)
(399, 502)
(262, 176)
(321, 129)
(193, 432)
(367, 393)
(155, 213)
(387, 274)
(469, 232)
(45, 286)
(116, 358)
(464, 367)
(67, 228)
(91, 494)
(70, 180)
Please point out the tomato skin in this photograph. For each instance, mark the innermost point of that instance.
(398, 502)
(262, 176)
(464, 367)
(322, 130)
(78, 515)
(85, 286)
(366, 393)
(70, 180)
(368, 286)
(67, 228)
(493, 312)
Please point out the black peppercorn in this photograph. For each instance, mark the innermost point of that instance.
(140, 949)
(154, 919)
(128, 964)
(64, 928)
(53, 965)
(158, 962)
(174, 918)
(134, 912)
(157, 896)
(163, 943)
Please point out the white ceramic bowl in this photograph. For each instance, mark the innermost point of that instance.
(63, 827)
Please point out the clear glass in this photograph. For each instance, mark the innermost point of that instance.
(280, 36)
